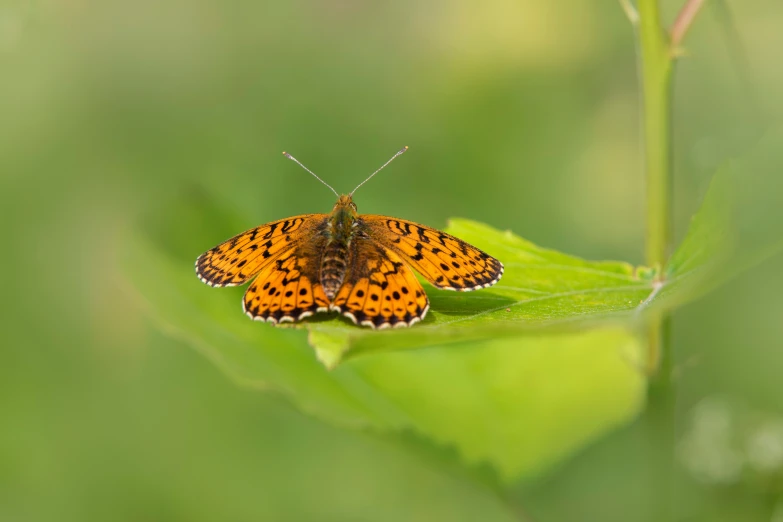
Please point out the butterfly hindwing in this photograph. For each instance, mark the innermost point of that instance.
(237, 260)
(442, 259)
(379, 289)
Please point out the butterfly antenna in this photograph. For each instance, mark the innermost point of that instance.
(380, 169)
(287, 155)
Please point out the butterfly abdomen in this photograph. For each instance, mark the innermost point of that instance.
(334, 264)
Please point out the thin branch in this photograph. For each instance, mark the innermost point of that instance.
(683, 22)
(630, 12)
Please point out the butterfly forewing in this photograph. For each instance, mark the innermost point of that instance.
(380, 290)
(237, 260)
(442, 259)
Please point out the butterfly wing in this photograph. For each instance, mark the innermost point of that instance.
(284, 257)
(289, 289)
(444, 260)
(379, 289)
(237, 260)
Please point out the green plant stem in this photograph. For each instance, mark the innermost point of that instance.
(656, 77)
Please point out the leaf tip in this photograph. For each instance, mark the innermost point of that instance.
(330, 346)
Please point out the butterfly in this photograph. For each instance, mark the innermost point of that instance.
(359, 265)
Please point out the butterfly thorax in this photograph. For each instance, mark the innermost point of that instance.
(340, 231)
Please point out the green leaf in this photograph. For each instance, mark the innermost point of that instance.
(518, 403)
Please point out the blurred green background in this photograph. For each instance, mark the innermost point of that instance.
(521, 114)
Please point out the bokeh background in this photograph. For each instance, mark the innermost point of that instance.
(521, 114)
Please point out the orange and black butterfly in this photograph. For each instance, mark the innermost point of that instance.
(356, 264)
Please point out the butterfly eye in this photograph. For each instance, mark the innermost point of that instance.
(353, 206)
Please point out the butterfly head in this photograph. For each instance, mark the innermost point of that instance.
(345, 211)
(345, 202)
